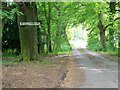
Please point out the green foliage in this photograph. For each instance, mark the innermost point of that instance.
(82, 51)
(9, 15)
(10, 59)
(9, 53)
(65, 47)
(10, 32)
(64, 15)
(90, 19)
(92, 45)
(58, 53)
(112, 53)
(93, 42)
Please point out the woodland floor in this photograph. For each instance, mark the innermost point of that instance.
(35, 75)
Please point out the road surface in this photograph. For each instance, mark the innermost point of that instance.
(100, 72)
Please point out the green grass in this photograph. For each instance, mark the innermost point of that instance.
(108, 52)
(15, 60)
(8, 62)
(9, 55)
(12, 59)
(64, 52)
(82, 51)
(111, 53)
(58, 53)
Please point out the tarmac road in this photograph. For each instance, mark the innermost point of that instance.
(100, 72)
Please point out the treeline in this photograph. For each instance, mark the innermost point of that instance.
(49, 36)
(100, 18)
(104, 26)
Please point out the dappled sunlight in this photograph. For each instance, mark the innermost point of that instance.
(62, 56)
(93, 54)
(97, 70)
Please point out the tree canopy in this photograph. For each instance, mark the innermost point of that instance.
(52, 35)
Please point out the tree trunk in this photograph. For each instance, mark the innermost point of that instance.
(119, 34)
(58, 32)
(1, 28)
(49, 28)
(102, 32)
(102, 39)
(39, 40)
(48, 20)
(43, 39)
(3, 5)
(112, 7)
(28, 33)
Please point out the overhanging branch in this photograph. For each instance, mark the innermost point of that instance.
(116, 18)
(111, 23)
(107, 26)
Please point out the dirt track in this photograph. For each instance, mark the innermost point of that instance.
(60, 74)
(35, 75)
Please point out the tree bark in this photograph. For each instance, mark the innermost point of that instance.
(4, 5)
(58, 32)
(28, 33)
(112, 9)
(48, 20)
(102, 32)
(49, 28)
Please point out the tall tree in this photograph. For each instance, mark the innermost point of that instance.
(102, 31)
(49, 27)
(112, 12)
(28, 33)
(48, 22)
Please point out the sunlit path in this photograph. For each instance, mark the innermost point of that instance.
(99, 71)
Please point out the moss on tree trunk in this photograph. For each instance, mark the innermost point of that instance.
(28, 33)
